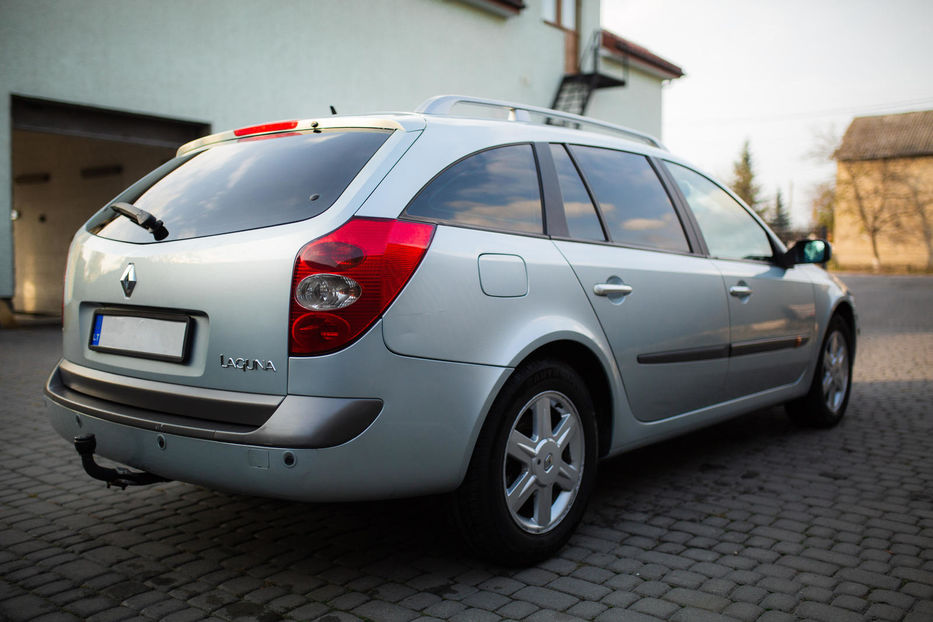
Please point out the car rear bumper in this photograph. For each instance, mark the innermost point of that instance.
(296, 421)
(402, 439)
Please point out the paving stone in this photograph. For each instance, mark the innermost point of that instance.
(781, 602)
(546, 598)
(489, 601)
(502, 585)
(699, 600)
(655, 607)
(625, 615)
(872, 579)
(593, 574)
(586, 610)
(826, 613)
(583, 590)
(652, 588)
(743, 611)
(753, 518)
(621, 600)
(690, 614)
(685, 578)
(852, 603)
(517, 610)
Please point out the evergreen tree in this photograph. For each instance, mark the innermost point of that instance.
(780, 218)
(743, 179)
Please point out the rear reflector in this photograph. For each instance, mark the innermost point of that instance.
(278, 126)
(369, 260)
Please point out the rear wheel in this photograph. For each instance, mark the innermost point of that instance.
(826, 403)
(533, 467)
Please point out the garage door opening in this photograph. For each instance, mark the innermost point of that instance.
(69, 161)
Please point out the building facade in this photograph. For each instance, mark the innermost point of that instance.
(884, 193)
(95, 93)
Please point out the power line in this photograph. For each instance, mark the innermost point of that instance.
(797, 116)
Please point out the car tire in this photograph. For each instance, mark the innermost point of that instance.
(533, 467)
(825, 404)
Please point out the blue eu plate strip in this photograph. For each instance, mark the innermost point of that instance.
(95, 336)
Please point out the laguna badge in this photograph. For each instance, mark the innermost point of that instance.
(246, 364)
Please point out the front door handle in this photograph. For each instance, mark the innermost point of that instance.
(740, 291)
(612, 289)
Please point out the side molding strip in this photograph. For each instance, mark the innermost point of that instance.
(717, 352)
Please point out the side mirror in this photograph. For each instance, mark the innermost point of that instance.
(807, 251)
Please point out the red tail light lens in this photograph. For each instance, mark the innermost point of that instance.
(344, 281)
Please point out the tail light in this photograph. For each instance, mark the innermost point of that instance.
(344, 281)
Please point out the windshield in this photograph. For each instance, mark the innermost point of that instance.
(250, 183)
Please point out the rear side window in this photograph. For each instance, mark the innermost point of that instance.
(247, 184)
(730, 231)
(634, 204)
(493, 189)
(582, 221)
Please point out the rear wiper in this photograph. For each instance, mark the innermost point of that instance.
(142, 218)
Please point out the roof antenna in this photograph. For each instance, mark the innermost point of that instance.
(333, 110)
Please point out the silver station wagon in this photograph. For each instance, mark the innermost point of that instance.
(479, 298)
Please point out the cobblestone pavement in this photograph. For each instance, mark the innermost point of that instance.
(753, 519)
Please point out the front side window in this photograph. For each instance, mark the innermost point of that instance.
(634, 204)
(729, 230)
(493, 189)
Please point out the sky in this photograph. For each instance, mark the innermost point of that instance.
(783, 74)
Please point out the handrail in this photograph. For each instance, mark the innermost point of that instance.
(443, 104)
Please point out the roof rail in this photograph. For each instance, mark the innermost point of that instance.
(443, 104)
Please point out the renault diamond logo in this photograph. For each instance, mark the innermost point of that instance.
(128, 280)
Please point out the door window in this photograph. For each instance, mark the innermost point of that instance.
(729, 230)
(582, 221)
(633, 203)
(493, 189)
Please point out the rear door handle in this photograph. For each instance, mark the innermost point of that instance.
(612, 289)
(740, 291)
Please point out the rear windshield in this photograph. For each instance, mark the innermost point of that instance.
(247, 184)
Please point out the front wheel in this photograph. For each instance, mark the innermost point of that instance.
(826, 403)
(533, 467)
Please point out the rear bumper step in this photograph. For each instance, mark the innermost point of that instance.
(295, 421)
(87, 444)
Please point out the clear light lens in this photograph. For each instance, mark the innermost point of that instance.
(327, 292)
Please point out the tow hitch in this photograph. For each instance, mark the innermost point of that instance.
(86, 444)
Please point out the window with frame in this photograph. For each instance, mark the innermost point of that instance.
(493, 189)
(582, 220)
(561, 13)
(634, 205)
(729, 230)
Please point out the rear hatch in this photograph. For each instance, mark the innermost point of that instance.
(207, 304)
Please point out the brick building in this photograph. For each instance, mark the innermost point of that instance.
(884, 193)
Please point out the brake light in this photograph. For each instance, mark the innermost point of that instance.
(344, 281)
(278, 126)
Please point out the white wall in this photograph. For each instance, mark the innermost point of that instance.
(236, 63)
(636, 105)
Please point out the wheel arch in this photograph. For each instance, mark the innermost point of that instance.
(594, 374)
(846, 311)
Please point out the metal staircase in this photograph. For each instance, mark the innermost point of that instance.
(573, 94)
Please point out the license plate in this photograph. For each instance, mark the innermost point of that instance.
(151, 336)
